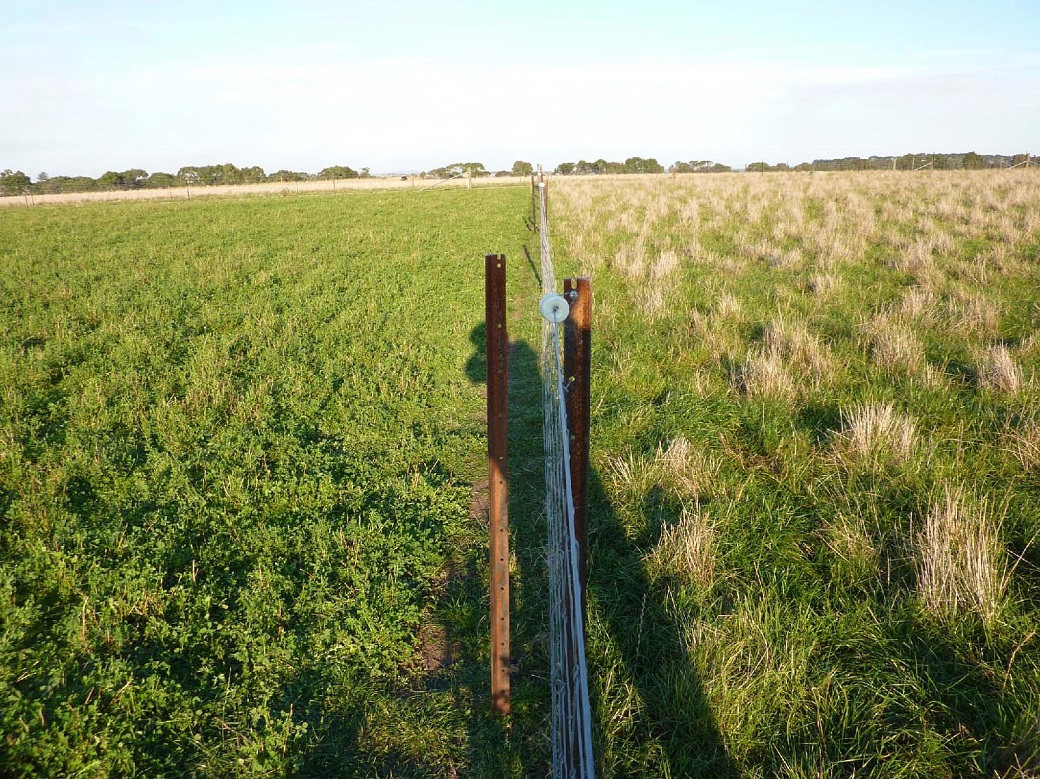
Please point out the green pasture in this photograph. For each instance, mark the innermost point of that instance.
(238, 440)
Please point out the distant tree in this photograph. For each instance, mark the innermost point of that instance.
(338, 172)
(973, 161)
(127, 179)
(253, 175)
(42, 177)
(81, 184)
(521, 168)
(13, 182)
(159, 180)
(58, 184)
(565, 169)
(49, 185)
(366, 173)
(226, 174)
(110, 180)
(459, 170)
(700, 166)
(757, 167)
(640, 165)
(134, 178)
(287, 175)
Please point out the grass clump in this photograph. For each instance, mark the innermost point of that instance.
(687, 549)
(998, 371)
(962, 567)
(876, 433)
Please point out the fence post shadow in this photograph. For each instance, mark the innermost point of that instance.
(633, 610)
(500, 747)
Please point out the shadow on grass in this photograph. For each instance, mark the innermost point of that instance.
(674, 718)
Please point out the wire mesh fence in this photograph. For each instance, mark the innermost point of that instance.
(571, 709)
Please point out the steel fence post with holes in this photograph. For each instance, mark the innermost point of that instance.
(498, 474)
(577, 362)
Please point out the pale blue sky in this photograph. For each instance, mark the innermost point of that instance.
(412, 85)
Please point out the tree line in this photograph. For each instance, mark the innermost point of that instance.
(601, 167)
(960, 161)
(15, 182)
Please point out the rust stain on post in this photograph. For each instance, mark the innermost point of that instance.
(498, 475)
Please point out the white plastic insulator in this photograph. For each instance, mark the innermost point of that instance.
(553, 308)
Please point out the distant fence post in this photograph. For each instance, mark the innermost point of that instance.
(498, 475)
(534, 204)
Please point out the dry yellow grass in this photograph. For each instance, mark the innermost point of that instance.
(962, 566)
(875, 433)
(689, 471)
(680, 467)
(764, 374)
(918, 217)
(998, 371)
(266, 188)
(687, 549)
(1026, 446)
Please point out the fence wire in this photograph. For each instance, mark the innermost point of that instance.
(571, 711)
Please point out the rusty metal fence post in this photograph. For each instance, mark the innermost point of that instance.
(577, 362)
(498, 474)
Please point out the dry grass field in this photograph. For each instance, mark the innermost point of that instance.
(268, 189)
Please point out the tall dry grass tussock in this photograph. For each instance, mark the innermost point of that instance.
(763, 374)
(896, 349)
(687, 469)
(876, 432)
(998, 371)
(962, 566)
(687, 549)
(1026, 447)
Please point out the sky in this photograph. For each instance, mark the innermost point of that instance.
(406, 85)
